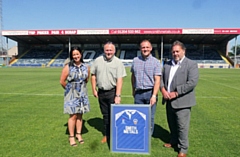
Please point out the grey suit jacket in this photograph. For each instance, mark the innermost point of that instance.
(184, 82)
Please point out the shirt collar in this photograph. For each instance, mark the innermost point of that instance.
(108, 60)
(148, 57)
(179, 62)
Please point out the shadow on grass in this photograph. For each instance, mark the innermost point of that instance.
(96, 123)
(161, 133)
(84, 129)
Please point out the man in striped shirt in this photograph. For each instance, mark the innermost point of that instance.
(146, 72)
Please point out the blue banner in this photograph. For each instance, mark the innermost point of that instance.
(130, 128)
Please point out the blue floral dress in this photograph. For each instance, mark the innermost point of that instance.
(75, 95)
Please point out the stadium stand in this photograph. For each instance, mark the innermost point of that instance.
(206, 46)
(55, 56)
(59, 60)
(37, 56)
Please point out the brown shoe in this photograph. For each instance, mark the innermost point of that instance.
(182, 155)
(104, 140)
(168, 145)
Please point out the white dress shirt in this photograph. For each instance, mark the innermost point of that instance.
(173, 70)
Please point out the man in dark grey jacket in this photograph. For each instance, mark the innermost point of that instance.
(179, 78)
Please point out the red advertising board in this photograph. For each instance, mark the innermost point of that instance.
(52, 32)
(227, 31)
(123, 31)
(145, 31)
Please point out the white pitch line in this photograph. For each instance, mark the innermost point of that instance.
(125, 96)
(214, 97)
(31, 94)
(221, 84)
(27, 94)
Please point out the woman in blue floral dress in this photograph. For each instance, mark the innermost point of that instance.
(74, 80)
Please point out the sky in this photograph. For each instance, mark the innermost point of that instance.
(96, 14)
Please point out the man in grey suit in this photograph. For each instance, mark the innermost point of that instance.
(179, 78)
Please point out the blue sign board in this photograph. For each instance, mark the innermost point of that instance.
(130, 128)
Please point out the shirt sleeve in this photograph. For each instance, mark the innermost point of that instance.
(158, 69)
(93, 69)
(121, 72)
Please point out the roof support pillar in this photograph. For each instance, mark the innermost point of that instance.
(235, 53)
(161, 49)
(69, 45)
(7, 63)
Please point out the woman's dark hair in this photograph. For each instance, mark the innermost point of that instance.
(71, 56)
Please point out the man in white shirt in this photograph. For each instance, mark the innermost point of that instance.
(179, 78)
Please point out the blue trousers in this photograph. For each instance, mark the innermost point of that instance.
(143, 97)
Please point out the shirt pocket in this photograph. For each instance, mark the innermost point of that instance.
(113, 72)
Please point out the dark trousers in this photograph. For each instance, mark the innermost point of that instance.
(105, 99)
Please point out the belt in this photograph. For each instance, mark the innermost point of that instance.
(102, 90)
(143, 90)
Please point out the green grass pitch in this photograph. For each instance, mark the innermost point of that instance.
(32, 122)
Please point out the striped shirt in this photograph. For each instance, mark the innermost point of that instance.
(144, 71)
